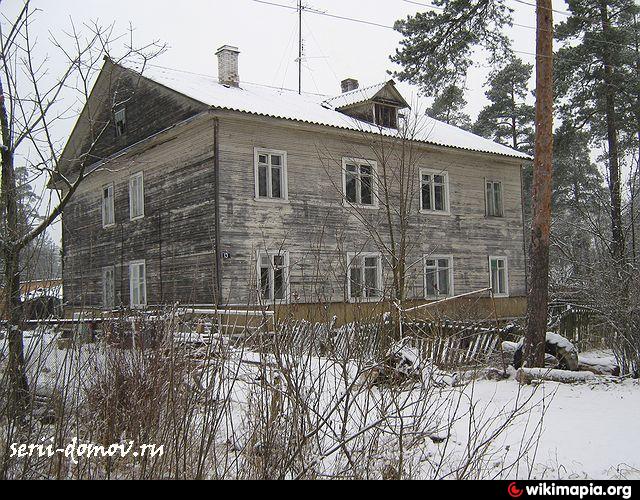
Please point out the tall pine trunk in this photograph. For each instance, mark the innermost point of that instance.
(538, 298)
(618, 243)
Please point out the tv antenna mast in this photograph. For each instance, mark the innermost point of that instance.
(302, 7)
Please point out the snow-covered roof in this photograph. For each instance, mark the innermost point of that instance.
(310, 108)
(355, 96)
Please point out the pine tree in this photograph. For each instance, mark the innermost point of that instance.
(437, 47)
(508, 118)
(597, 75)
(578, 192)
(435, 52)
(448, 107)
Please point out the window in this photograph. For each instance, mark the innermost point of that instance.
(434, 191)
(108, 287)
(271, 175)
(438, 272)
(359, 182)
(136, 196)
(138, 284)
(494, 198)
(386, 116)
(120, 119)
(108, 212)
(273, 281)
(364, 276)
(499, 276)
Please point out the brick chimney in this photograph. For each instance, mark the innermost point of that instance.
(228, 65)
(349, 84)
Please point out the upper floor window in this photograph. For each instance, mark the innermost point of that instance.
(108, 211)
(136, 196)
(120, 120)
(108, 287)
(434, 191)
(138, 283)
(364, 276)
(359, 182)
(271, 175)
(494, 198)
(273, 277)
(386, 116)
(499, 276)
(438, 272)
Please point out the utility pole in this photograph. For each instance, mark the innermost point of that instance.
(538, 296)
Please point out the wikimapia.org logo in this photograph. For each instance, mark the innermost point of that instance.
(581, 491)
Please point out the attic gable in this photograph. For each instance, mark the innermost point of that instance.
(377, 104)
(120, 93)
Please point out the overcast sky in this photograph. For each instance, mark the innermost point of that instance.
(267, 37)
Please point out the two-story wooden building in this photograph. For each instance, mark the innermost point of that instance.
(207, 191)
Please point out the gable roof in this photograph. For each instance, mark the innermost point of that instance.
(312, 108)
(364, 94)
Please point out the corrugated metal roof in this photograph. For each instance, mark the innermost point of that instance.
(313, 109)
(355, 96)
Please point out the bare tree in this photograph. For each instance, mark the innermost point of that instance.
(393, 188)
(32, 105)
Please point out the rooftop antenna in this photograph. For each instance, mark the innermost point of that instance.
(302, 7)
(300, 46)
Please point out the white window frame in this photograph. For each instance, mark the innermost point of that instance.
(118, 116)
(110, 208)
(140, 304)
(428, 257)
(105, 302)
(287, 283)
(140, 176)
(447, 207)
(359, 162)
(506, 274)
(351, 256)
(285, 176)
(486, 198)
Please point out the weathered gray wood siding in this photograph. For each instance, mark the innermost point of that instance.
(149, 109)
(175, 237)
(317, 230)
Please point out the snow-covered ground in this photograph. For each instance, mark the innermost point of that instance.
(556, 431)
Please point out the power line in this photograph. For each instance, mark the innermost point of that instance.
(326, 14)
(562, 12)
(371, 23)
(534, 28)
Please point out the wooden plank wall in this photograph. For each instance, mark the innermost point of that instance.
(318, 230)
(176, 237)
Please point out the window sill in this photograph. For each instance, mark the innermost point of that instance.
(133, 219)
(284, 201)
(109, 226)
(346, 204)
(496, 217)
(439, 213)
(501, 295)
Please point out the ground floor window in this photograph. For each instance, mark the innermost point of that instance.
(499, 276)
(273, 277)
(108, 287)
(364, 276)
(438, 272)
(138, 283)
